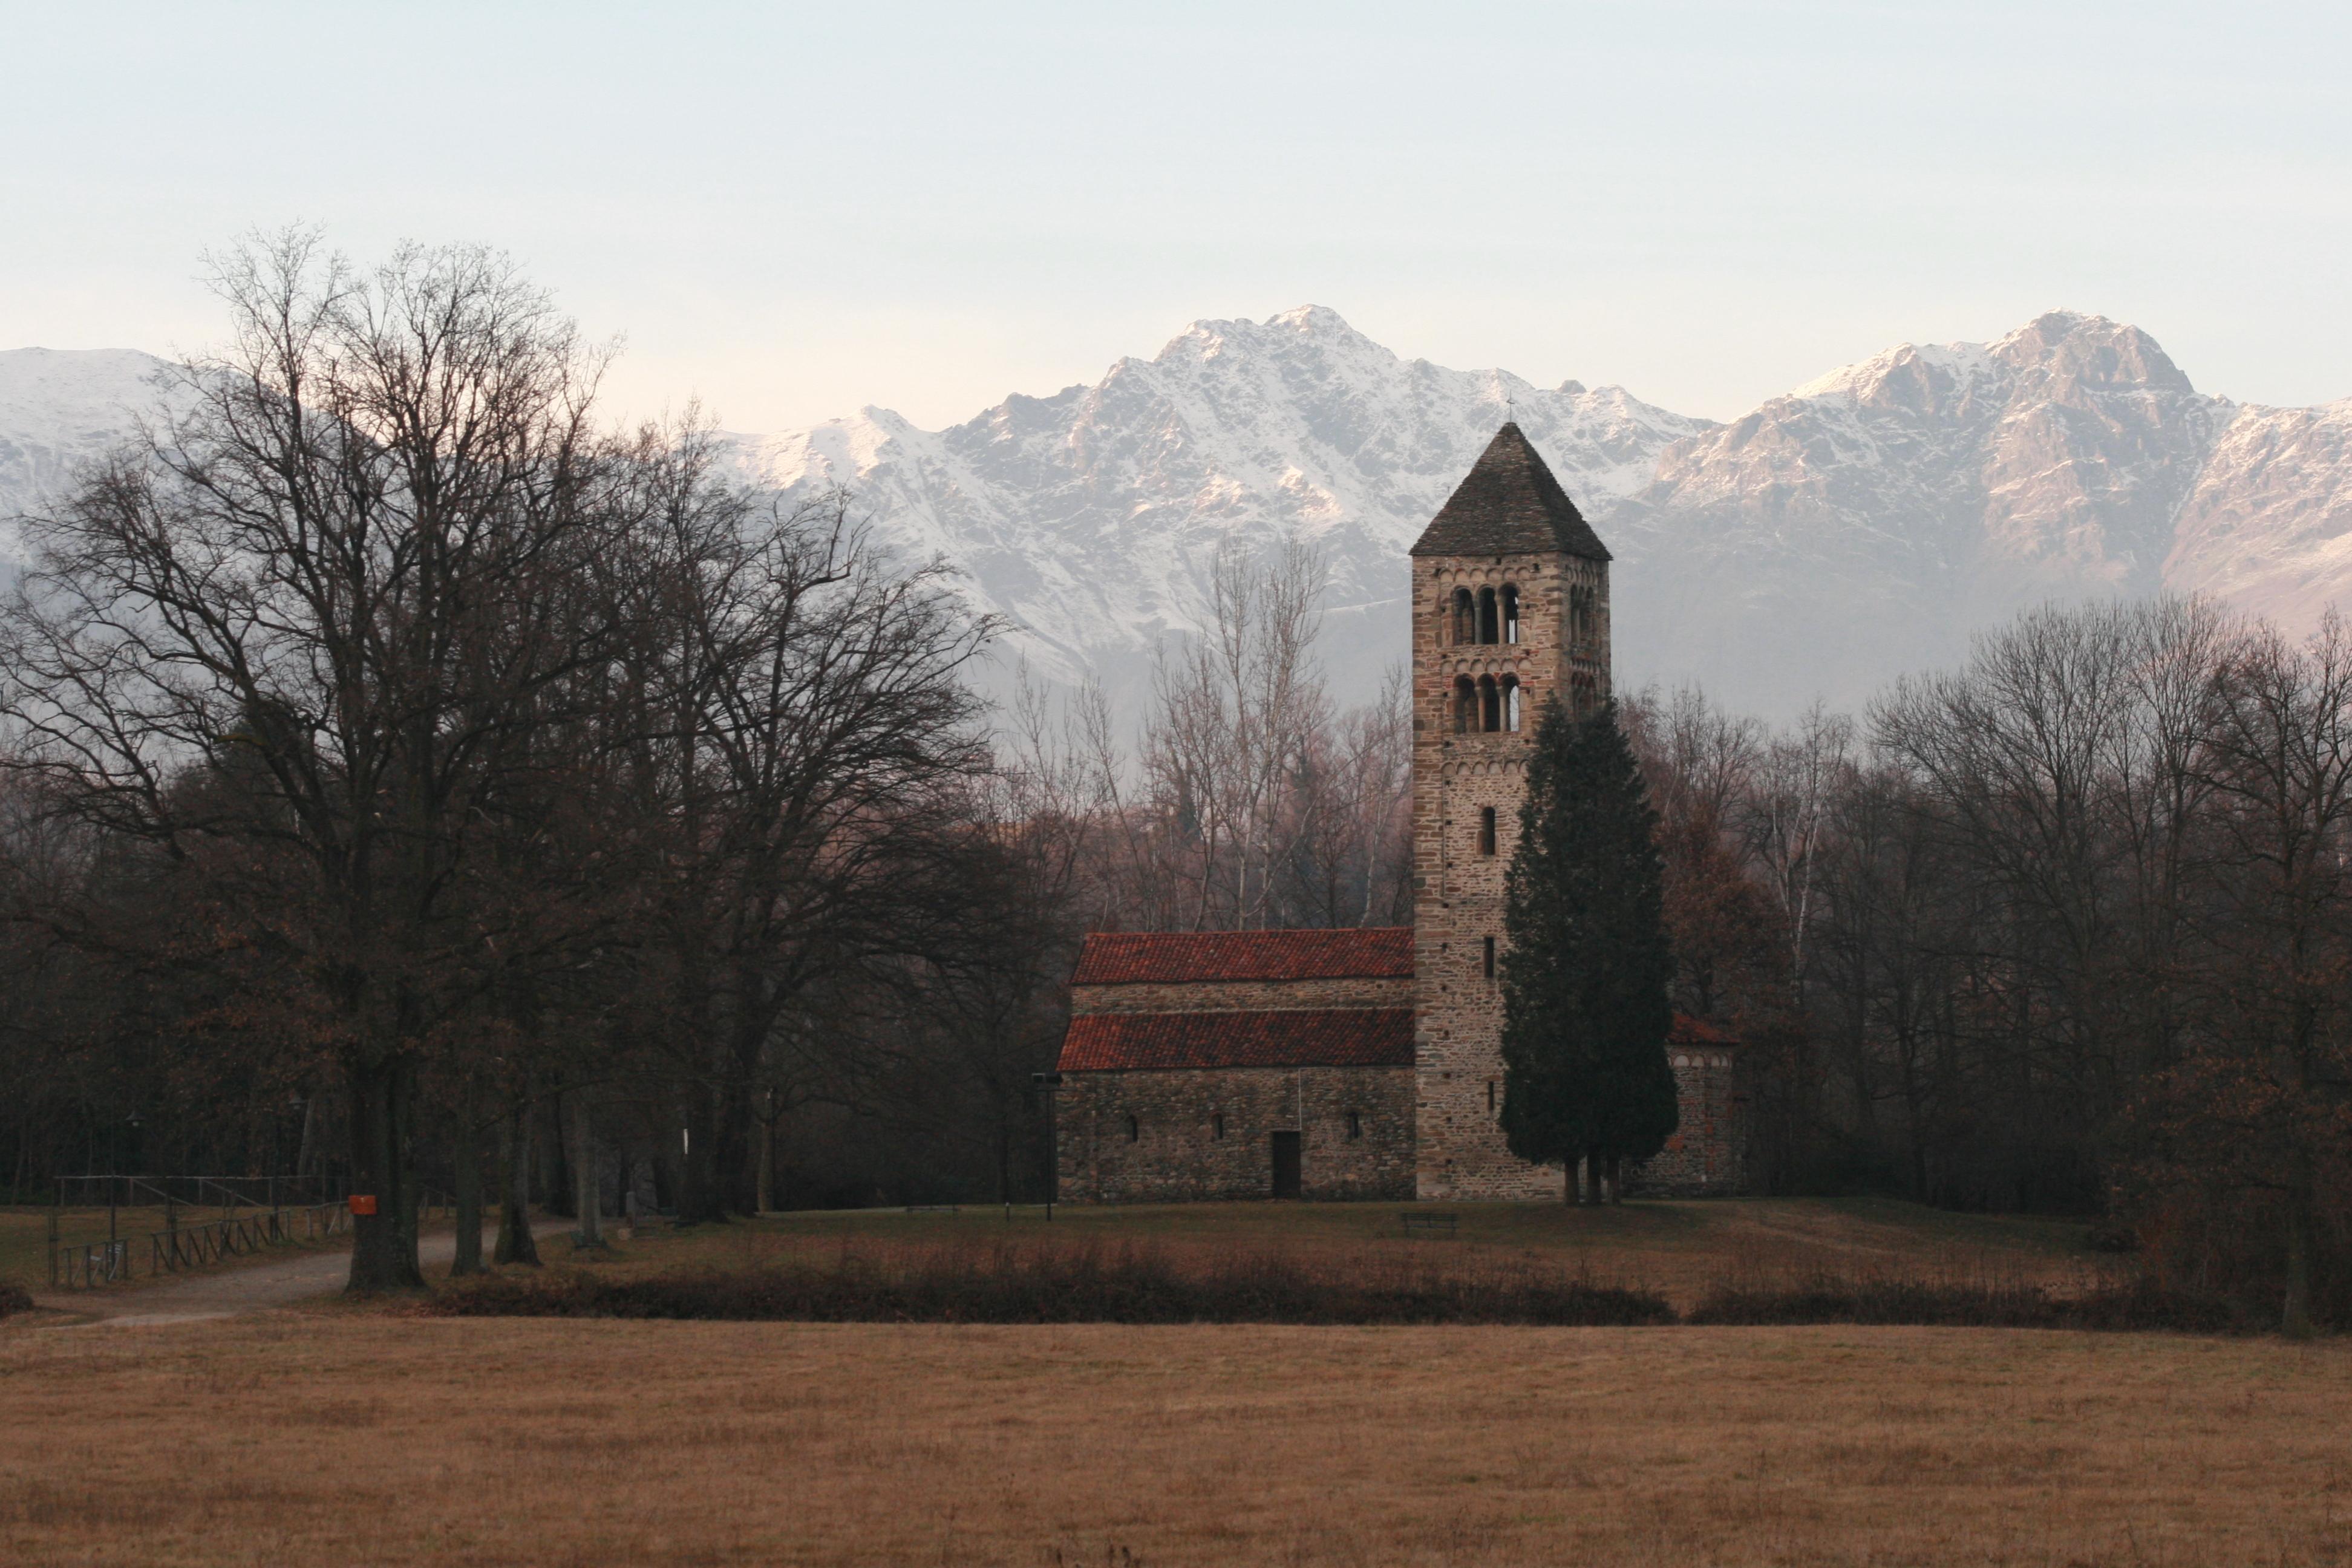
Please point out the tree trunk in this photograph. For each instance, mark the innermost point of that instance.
(1616, 1181)
(766, 1196)
(558, 1184)
(699, 1198)
(383, 1244)
(515, 1242)
(734, 1159)
(587, 1202)
(667, 1180)
(307, 1148)
(2295, 1318)
(466, 1152)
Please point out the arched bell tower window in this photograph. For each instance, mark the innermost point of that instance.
(1466, 707)
(1490, 704)
(1583, 624)
(1489, 626)
(1465, 618)
(1511, 704)
(1510, 602)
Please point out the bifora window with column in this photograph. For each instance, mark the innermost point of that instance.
(1487, 618)
(1487, 704)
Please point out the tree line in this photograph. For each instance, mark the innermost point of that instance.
(406, 774)
(2066, 929)
(409, 775)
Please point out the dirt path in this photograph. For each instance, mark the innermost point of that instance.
(233, 1292)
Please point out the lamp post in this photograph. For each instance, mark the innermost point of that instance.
(1047, 1082)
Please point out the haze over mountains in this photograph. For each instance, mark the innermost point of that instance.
(1857, 527)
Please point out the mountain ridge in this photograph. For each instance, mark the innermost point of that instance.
(1862, 524)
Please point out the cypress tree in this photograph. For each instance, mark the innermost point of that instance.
(1585, 974)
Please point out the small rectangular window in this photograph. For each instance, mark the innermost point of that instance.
(1355, 1124)
(1490, 1097)
(1217, 1125)
(1490, 958)
(1487, 831)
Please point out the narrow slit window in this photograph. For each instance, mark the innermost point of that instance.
(1134, 1131)
(1487, 831)
(1355, 1124)
(1490, 1097)
(1217, 1125)
(1489, 962)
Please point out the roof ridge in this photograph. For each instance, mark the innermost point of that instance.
(1509, 503)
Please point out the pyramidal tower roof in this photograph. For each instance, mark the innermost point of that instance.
(1510, 504)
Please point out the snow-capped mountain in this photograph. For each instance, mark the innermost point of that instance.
(1866, 522)
(58, 408)
(1860, 526)
(2269, 524)
(1091, 518)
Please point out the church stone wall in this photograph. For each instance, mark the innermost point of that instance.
(1708, 1155)
(1430, 1130)
(1177, 1156)
(1239, 995)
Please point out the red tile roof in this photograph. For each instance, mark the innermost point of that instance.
(1115, 958)
(1690, 1031)
(1306, 1038)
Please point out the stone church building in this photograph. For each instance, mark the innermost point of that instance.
(1367, 1063)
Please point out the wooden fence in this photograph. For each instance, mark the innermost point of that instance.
(178, 1247)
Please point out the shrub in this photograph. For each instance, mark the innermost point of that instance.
(13, 1298)
(2229, 1245)
(2140, 1306)
(1008, 1284)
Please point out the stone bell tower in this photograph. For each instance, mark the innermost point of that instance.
(1510, 595)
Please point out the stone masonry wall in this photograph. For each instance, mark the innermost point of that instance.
(1708, 1155)
(1458, 892)
(1177, 1156)
(1239, 995)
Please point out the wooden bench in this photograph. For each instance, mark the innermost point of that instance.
(1428, 1224)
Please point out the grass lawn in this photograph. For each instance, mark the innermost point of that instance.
(1676, 1248)
(346, 1435)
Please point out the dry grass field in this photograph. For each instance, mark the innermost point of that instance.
(353, 1436)
(368, 1434)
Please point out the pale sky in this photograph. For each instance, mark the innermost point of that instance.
(793, 211)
